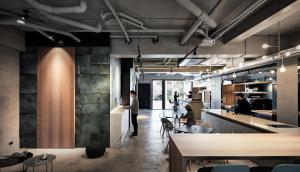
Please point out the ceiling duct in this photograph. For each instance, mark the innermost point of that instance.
(202, 17)
(73, 23)
(198, 12)
(59, 10)
(39, 27)
(113, 11)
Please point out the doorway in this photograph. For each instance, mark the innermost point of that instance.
(144, 90)
(56, 98)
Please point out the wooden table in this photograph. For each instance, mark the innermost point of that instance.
(184, 147)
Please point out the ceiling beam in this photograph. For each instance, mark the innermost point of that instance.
(272, 13)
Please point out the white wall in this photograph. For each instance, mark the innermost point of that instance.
(115, 82)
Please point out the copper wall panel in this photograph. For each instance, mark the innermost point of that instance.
(56, 98)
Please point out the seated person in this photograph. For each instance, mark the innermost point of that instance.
(242, 106)
(189, 116)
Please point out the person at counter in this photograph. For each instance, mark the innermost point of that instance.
(134, 112)
(189, 116)
(242, 106)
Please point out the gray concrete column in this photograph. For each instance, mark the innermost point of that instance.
(287, 93)
(216, 92)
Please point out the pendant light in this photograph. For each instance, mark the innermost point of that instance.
(282, 68)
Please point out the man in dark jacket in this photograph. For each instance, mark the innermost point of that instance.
(242, 106)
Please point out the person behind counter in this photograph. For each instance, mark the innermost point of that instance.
(242, 106)
(189, 115)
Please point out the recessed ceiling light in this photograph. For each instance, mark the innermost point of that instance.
(270, 78)
(272, 71)
(260, 72)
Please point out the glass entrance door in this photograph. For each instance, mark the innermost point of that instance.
(157, 94)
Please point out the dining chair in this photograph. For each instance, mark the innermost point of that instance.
(226, 168)
(261, 169)
(287, 168)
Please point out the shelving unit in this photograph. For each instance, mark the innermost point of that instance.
(252, 90)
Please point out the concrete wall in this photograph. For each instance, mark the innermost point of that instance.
(9, 100)
(115, 82)
(11, 42)
(287, 93)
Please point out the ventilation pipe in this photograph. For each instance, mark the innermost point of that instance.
(73, 23)
(113, 11)
(42, 28)
(200, 31)
(130, 18)
(222, 30)
(59, 10)
(200, 14)
(191, 30)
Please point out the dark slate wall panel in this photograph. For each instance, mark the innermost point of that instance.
(92, 95)
(28, 99)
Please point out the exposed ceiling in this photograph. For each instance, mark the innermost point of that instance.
(154, 14)
(157, 14)
(288, 26)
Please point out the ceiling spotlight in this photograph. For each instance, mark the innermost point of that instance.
(234, 75)
(298, 47)
(282, 68)
(265, 46)
(272, 71)
(287, 54)
(260, 72)
(20, 21)
(270, 79)
(215, 71)
(207, 70)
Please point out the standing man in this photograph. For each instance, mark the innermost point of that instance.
(134, 112)
(242, 106)
(176, 97)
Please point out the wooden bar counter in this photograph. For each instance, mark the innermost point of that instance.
(184, 147)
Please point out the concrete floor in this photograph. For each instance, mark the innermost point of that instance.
(145, 153)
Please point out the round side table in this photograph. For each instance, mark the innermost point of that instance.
(37, 161)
